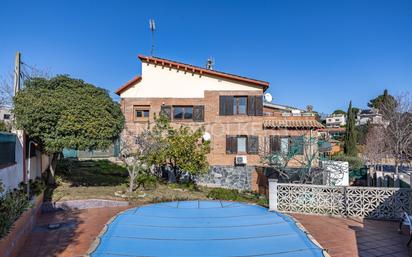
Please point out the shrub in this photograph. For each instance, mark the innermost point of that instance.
(225, 194)
(12, 205)
(146, 181)
(355, 163)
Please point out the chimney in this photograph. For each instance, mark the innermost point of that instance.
(309, 108)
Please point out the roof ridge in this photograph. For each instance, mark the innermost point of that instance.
(202, 70)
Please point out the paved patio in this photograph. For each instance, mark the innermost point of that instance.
(351, 237)
(342, 237)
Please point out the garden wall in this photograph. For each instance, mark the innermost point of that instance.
(236, 177)
(362, 202)
(14, 240)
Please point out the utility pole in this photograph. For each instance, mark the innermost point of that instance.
(17, 63)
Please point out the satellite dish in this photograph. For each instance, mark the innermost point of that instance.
(268, 97)
(206, 136)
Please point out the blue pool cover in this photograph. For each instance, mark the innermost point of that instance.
(204, 228)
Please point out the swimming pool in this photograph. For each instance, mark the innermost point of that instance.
(204, 228)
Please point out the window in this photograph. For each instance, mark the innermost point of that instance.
(6, 116)
(183, 112)
(141, 113)
(242, 144)
(287, 145)
(239, 104)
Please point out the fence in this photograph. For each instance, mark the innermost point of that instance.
(363, 202)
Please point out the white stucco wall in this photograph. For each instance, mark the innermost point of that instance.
(165, 82)
(12, 175)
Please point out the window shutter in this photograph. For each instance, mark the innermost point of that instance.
(253, 145)
(258, 105)
(231, 144)
(274, 144)
(222, 105)
(251, 105)
(199, 113)
(166, 110)
(225, 105)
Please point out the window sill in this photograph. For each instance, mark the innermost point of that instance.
(6, 165)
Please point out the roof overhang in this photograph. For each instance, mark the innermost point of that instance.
(128, 84)
(202, 71)
(291, 124)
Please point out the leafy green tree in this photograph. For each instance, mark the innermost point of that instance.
(338, 111)
(350, 135)
(64, 112)
(187, 152)
(382, 100)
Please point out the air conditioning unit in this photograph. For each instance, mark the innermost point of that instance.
(241, 160)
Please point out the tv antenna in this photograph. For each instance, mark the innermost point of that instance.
(210, 63)
(152, 27)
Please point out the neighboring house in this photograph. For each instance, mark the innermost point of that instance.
(229, 107)
(332, 133)
(336, 121)
(371, 116)
(5, 114)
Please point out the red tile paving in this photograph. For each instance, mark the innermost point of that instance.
(73, 238)
(341, 237)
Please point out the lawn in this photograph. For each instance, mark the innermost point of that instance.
(101, 179)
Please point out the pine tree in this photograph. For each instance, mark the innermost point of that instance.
(350, 136)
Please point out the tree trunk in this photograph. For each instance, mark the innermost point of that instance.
(397, 181)
(52, 168)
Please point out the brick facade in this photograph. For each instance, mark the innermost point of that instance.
(218, 126)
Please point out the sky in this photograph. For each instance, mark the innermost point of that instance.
(320, 53)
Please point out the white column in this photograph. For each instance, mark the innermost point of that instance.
(273, 194)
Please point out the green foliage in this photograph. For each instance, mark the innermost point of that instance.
(382, 100)
(235, 195)
(225, 194)
(339, 112)
(355, 163)
(63, 112)
(362, 132)
(181, 148)
(350, 135)
(3, 126)
(146, 181)
(91, 173)
(12, 205)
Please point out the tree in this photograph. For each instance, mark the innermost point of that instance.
(375, 146)
(63, 112)
(6, 92)
(382, 100)
(398, 129)
(350, 135)
(301, 153)
(135, 152)
(186, 152)
(338, 111)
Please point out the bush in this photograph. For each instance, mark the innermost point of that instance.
(12, 205)
(225, 194)
(146, 181)
(355, 163)
(240, 196)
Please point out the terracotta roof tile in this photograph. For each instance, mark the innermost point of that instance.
(293, 124)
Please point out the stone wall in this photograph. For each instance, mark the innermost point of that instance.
(237, 177)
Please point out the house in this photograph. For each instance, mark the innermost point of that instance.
(230, 107)
(5, 114)
(336, 120)
(371, 116)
